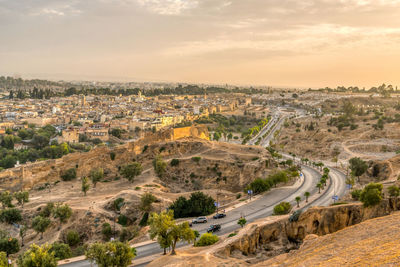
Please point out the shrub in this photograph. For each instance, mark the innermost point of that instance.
(112, 155)
(146, 201)
(69, 174)
(371, 194)
(159, 166)
(47, 210)
(73, 238)
(394, 191)
(282, 208)
(118, 203)
(207, 239)
(125, 235)
(174, 162)
(196, 159)
(63, 212)
(238, 196)
(106, 231)
(295, 216)
(242, 221)
(232, 234)
(356, 193)
(122, 220)
(10, 215)
(144, 220)
(6, 199)
(61, 250)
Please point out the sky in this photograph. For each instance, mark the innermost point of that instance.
(293, 43)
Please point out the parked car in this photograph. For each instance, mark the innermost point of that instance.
(213, 228)
(219, 215)
(200, 220)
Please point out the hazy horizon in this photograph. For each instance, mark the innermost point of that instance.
(254, 42)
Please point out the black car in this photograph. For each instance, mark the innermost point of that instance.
(213, 228)
(219, 215)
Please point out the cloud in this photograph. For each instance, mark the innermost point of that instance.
(168, 7)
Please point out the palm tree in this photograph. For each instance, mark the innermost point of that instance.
(307, 194)
(298, 201)
(319, 186)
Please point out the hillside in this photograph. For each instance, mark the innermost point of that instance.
(373, 242)
(211, 167)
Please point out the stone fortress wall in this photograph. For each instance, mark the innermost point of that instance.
(49, 171)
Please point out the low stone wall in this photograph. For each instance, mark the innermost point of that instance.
(280, 235)
(29, 175)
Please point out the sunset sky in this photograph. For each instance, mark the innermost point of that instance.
(292, 43)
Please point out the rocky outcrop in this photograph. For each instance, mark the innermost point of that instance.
(264, 239)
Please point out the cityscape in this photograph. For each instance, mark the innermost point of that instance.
(199, 133)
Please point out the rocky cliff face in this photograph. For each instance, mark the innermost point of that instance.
(264, 239)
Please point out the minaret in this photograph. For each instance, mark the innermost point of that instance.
(83, 100)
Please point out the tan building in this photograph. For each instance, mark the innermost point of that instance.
(100, 133)
(70, 136)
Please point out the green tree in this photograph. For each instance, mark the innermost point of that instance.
(38, 256)
(180, 232)
(298, 199)
(8, 142)
(10, 216)
(358, 167)
(40, 224)
(394, 191)
(61, 251)
(47, 210)
(111, 254)
(319, 186)
(96, 175)
(307, 195)
(62, 212)
(22, 197)
(22, 233)
(146, 200)
(371, 194)
(160, 224)
(242, 221)
(130, 171)
(9, 245)
(8, 161)
(6, 199)
(85, 185)
(159, 166)
(40, 141)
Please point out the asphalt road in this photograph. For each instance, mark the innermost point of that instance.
(257, 209)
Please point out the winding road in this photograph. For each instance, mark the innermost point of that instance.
(259, 208)
(262, 206)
